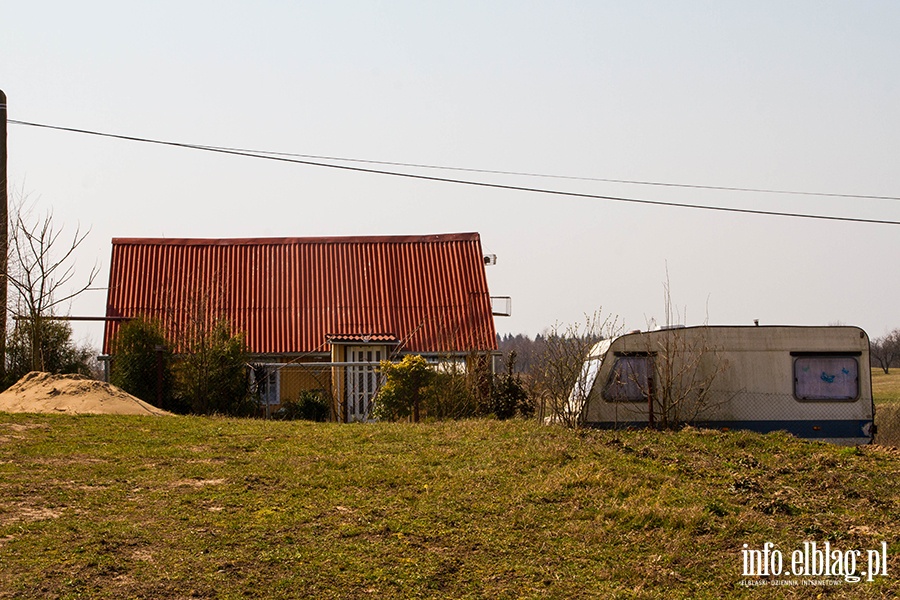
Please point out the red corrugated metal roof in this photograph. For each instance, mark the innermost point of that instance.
(287, 294)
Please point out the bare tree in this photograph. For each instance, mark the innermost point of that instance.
(684, 366)
(562, 382)
(886, 349)
(41, 272)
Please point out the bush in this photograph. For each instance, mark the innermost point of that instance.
(463, 390)
(449, 397)
(45, 346)
(142, 363)
(212, 377)
(414, 388)
(406, 389)
(509, 397)
(310, 405)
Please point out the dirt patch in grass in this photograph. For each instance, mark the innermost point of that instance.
(198, 483)
(24, 426)
(71, 394)
(24, 513)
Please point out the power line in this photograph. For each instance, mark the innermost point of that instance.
(515, 173)
(282, 158)
(566, 177)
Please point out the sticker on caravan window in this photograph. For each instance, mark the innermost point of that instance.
(826, 378)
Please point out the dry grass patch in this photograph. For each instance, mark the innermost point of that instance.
(887, 418)
(886, 387)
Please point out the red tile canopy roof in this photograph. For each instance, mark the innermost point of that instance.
(362, 338)
(295, 295)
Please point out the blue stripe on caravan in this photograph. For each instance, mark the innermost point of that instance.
(812, 429)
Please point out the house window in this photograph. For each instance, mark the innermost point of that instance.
(631, 379)
(826, 378)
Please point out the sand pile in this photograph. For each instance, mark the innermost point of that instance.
(71, 394)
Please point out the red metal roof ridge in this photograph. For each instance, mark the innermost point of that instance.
(277, 241)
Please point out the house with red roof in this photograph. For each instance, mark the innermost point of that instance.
(316, 313)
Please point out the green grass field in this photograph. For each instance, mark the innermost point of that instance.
(886, 388)
(190, 507)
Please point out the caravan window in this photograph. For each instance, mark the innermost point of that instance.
(631, 379)
(826, 378)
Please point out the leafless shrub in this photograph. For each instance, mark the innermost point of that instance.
(560, 383)
(684, 365)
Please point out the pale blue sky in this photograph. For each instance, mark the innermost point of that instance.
(799, 95)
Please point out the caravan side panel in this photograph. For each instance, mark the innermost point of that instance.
(814, 382)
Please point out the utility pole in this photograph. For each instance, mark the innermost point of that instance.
(4, 235)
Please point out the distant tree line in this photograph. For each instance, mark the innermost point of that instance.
(551, 364)
(531, 352)
(527, 350)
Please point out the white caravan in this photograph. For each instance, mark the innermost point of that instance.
(814, 382)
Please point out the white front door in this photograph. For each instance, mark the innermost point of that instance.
(272, 393)
(362, 381)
